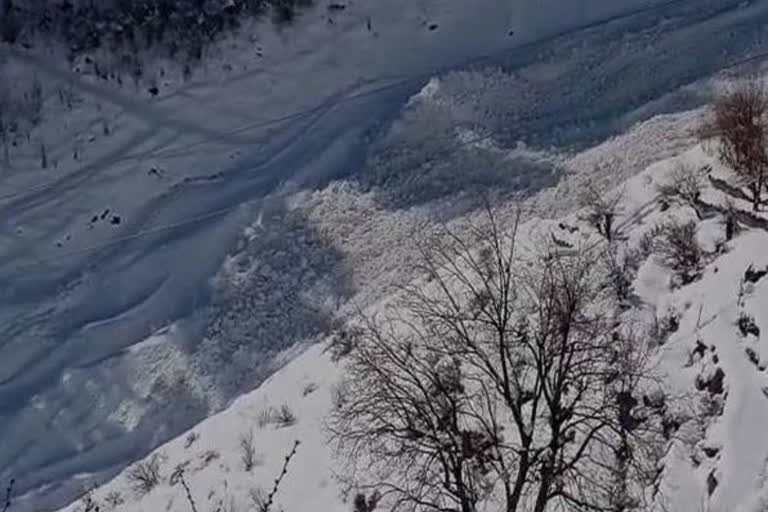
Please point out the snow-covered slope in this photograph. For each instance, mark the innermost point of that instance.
(209, 217)
(721, 433)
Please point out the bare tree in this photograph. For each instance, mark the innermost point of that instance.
(493, 384)
(602, 209)
(740, 122)
(686, 184)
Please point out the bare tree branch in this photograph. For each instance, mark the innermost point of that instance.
(495, 383)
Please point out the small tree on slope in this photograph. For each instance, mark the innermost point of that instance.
(740, 122)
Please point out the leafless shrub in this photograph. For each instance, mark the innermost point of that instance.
(285, 416)
(282, 416)
(685, 185)
(178, 471)
(145, 475)
(647, 243)
(248, 450)
(679, 248)
(602, 210)
(740, 123)
(190, 439)
(342, 342)
(258, 498)
(309, 389)
(114, 499)
(209, 456)
(499, 381)
(267, 416)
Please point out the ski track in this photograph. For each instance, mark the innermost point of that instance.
(80, 311)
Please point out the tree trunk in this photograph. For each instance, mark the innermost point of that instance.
(522, 476)
(543, 496)
(548, 469)
(467, 505)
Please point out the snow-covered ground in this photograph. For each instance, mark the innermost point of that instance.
(728, 444)
(218, 230)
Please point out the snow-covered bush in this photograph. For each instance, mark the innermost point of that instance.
(679, 249)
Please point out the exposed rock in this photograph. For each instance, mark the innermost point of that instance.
(752, 276)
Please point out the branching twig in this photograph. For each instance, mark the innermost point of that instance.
(270, 497)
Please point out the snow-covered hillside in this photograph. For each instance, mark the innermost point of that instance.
(721, 434)
(177, 250)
